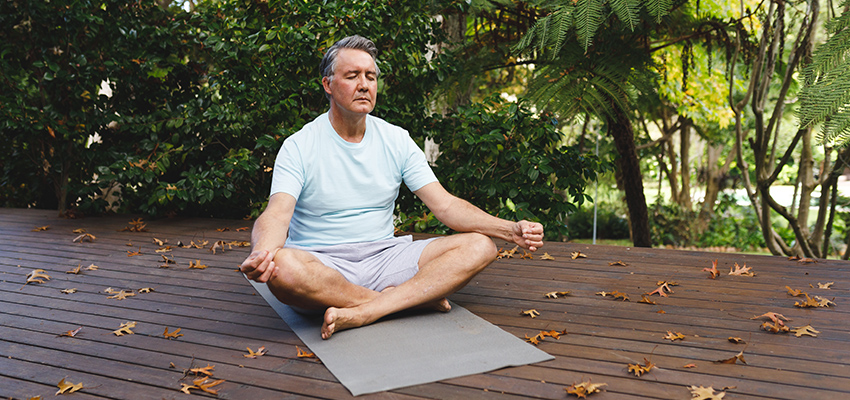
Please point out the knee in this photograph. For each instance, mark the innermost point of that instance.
(290, 269)
(482, 246)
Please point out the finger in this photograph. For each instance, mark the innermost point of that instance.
(267, 274)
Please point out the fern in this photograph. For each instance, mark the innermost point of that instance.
(627, 11)
(588, 19)
(658, 8)
(825, 97)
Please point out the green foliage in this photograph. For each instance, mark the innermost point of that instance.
(510, 163)
(609, 224)
(825, 96)
(733, 225)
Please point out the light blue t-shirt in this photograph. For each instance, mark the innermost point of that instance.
(345, 191)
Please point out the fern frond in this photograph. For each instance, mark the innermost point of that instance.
(587, 21)
(627, 11)
(837, 128)
(658, 8)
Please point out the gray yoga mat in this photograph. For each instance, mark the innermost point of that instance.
(408, 349)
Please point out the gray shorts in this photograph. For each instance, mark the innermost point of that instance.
(373, 265)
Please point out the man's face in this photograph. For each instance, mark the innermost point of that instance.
(354, 87)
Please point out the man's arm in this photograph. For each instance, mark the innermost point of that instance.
(269, 235)
(460, 215)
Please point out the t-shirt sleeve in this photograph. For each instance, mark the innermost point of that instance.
(416, 172)
(288, 175)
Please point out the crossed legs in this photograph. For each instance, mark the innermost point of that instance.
(445, 266)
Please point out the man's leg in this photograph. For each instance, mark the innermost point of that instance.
(446, 265)
(303, 281)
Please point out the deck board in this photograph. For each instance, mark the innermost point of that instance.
(220, 315)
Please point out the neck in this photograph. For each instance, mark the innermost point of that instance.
(350, 127)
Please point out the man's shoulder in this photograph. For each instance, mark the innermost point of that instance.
(385, 128)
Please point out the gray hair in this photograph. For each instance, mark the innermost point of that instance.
(355, 42)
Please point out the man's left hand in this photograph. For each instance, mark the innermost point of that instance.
(528, 235)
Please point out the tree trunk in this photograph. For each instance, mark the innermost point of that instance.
(684, 198)
(621, 130)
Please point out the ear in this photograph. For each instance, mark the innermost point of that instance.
(326, 84)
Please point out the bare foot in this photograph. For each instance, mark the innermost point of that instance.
(337, 319)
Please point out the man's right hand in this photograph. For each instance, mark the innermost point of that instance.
(260, 266)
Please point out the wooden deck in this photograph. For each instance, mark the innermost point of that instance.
(220, 315)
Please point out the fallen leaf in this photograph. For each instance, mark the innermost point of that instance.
(577, 254)
(159, 242)
(237, 243)
(705, 393)
(822, 302)
(669, 283)
(146, 290)
(196, 265)
(41, 228)
(794, 292)
(554, 295)
(244, 228)
(125, 329)
(807, 261)
(776, 327)
(741, 271)
(36, 276)
(553, 334)
(85, 237)
(71, 333)
(618, 263)
(208, 370)
(661, 312)
(602, 293)
(777, 318)
(805, 330)
(303, 354)
(92, 267)
(585, 388)
(219, 245)
(691, 365)
(674, 336)
(205, 384)
(167, 261)
(825, 285)
(122, 295)
(526, 255)
(75, 271)
(620, 295)
(507, 253)
(134, 253)
(225, 229)
(645, 300)
(110, 290)
(813, 302)
(135, 225)
(736, 340)
(172, 335)
(185, 388)
(733, 360)
(252, 354)
(65, 387)
(533, 340)
(639, 370)
(531, 313)
(69, 290)
(713, 270)
(662, 290)
(546, 256)
(164, 249)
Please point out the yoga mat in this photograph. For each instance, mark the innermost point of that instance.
(408, 349)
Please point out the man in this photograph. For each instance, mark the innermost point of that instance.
(325, 240)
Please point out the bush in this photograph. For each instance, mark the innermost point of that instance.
(609, 224)
(732, 225)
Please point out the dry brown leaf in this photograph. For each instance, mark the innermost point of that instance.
(85, 237)
(219, 245)
(146, 290)
(526, 255)
(135, 225)
(794, 292)
(507, 253)
(303, 354)
(134, 253)
(125, 329)
(121, 295)
(533, 340)
(639, 370)
(691, 365)
(172, 335)
(713, 270)
(75, 271)
(618, 263)
(164, 249)
(196, 265)
(776, 318)
(208, 370)
(741, 270)
(531, 313)
(620, 295)
(585, 388)
(92, 267)
(776, 327)
(546, 256)
(825, 285)
(237, 243)
(71, 333)
(822, 302)
(36, 276)
(41, 228)
(669, 283)
(577, 254)
(167, 261)
(736, 340)
(69, 290)
(733, 360)
(110, 290)
(554, 295)
(159, 242)
(807, 260)
(813, 302)
(79, 230)
(674, 336)
(66, 387)
(661, 312)
(805, 330)
(705, 393)
(662, 290)
(244, 228)
(205, 384)
(251, 354)
(225, 229)
(646, 300)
